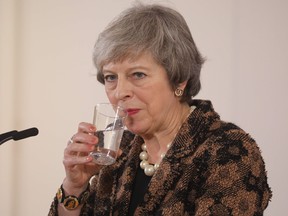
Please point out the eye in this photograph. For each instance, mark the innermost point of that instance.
(110, 77)
(139, 75)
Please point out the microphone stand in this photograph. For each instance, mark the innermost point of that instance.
(7, 136)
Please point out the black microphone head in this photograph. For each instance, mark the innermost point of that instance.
(26, 133)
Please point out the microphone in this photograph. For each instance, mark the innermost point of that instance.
(25, 133)
(18, 135)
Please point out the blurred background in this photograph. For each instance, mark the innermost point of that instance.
(47, 81)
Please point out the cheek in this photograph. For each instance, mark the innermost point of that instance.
(110, 96)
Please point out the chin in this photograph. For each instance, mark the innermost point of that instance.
(134, 128)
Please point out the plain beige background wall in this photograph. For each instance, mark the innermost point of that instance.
(46, 80)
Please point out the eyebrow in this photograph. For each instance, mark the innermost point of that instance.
(128, 69)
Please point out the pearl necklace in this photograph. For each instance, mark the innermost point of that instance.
(148, 168)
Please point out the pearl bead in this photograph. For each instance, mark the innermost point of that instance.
(156, 165)
(162, 155)
(144, 147)
(143, 164)
(143, 155)
(149, 170)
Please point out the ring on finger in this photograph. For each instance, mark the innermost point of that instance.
(70, 140)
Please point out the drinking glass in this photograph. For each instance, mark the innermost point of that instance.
(109, 122)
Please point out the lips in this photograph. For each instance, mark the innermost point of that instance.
(132, 111)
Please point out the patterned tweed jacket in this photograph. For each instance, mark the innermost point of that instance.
(212, 168)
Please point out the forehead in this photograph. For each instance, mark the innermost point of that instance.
(144, 59)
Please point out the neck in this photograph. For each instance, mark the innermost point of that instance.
(157, 143)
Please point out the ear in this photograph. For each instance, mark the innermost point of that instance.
(182, 85)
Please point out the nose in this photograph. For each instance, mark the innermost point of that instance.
(123, 89)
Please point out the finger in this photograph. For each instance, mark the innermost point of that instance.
(76, 160)
(81, 137)
(119, 152)
(85, 127)
(78, 149)
(78, 153)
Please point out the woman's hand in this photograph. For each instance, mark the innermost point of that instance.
(77, 161)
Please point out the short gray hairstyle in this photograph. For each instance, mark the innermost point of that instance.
(160, 31)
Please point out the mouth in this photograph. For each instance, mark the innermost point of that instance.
(132, 111)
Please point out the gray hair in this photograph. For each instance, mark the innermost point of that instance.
(160, 31)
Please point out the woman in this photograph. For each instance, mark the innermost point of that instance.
(191, 162)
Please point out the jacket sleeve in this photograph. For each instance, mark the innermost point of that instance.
(234, 178)
(53, 208)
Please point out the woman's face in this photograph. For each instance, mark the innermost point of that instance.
(141, 86)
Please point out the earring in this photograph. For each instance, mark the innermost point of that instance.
(178, 92)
